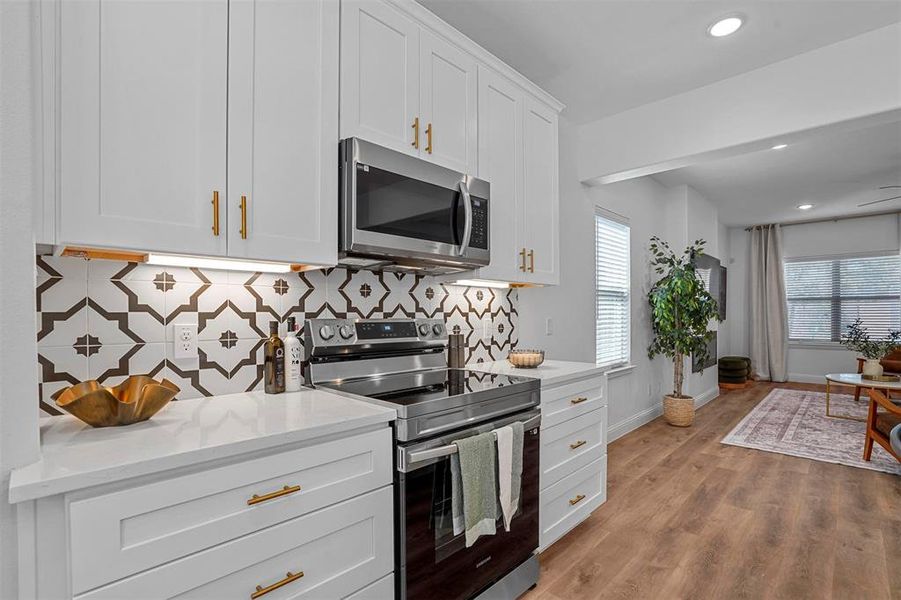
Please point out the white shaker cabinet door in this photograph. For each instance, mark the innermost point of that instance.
(380, 76)
(143, 123)
(500, 163)
(448, 100)
(283, 131)
(540, 193)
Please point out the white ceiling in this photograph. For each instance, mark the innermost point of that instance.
(834, 172)
(603, 57)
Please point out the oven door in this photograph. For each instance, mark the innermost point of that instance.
(396, 206)
(434, 563)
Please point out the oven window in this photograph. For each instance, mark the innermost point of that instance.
(398, 205)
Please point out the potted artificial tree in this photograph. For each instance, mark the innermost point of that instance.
(681, 310)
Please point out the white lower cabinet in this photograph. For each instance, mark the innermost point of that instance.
(329, 554)
(573, 478)
(314, 521)
(383, 589)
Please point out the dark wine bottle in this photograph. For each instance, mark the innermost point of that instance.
(274, 362)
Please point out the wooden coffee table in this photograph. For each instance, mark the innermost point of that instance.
(857, 380)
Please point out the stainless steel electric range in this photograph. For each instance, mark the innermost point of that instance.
(401, 363)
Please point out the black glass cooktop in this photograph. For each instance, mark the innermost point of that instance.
(406, 389)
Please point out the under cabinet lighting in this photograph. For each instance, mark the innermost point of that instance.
(726, 26)
(805, 206)
(779, 147)
(174, 260)
(480, 283)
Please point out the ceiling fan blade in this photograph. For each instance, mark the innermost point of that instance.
(878, 201)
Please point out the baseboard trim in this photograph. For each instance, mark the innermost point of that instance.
(634, 422)
(705, 397)
(649, 414)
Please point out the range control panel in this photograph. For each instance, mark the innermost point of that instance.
(330, 333)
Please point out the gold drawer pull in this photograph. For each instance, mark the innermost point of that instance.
(262, 591)
(578, 400)
(243, 231)
(531, 261)
(288, 489)
(578, 444)
(428, 137)
(577, 499)
(415, 143)
(522, 263)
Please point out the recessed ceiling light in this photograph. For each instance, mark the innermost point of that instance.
(779, 146)
(725, 26)
(805, 206)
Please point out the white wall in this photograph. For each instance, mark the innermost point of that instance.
(806, 362)
(18, 185)
(651, 209)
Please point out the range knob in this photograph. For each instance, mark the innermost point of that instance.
(423, 329)
(346, 331)
(438, 328)
(326, 332)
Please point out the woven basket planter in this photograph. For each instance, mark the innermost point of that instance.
(679, 411)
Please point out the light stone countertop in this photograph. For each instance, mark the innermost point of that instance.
(185, 433)
(550, 372)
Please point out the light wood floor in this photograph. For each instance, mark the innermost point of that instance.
(688, 517)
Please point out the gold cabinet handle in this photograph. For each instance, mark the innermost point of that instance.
(578, 400)
(428, 137)
(531, 261)
(215, 213)
(416, 133)
(243, 217)
(522, 256)
(262, 591)
(578, 444)
(577, 499)
(288, 489)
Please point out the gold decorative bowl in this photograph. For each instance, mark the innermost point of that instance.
(526, 359)
(134, 400)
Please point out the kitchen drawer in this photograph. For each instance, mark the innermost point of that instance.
(564, 402)
(339, 550)
(118, 534)
(569, 502)
(383, 589)
(567, 447)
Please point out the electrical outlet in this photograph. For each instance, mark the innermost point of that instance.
(548, 326)
(486, 328)
(184, 341)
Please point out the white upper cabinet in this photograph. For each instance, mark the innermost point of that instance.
(142, 123)
(380, 76)
(283, 131)
(500, 163)
(448, 97)
(518, 157)
(204, 127)
(540, 222)
(405, 88)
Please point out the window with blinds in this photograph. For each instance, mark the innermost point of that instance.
(825, 295)
(612, 294)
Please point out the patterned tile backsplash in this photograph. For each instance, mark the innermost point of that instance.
(106, 320)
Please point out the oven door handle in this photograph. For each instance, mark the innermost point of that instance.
(422, 455)
(467, 207)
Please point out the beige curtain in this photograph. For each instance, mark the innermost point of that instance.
(769, 320)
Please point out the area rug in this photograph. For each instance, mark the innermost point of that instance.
(794, 422)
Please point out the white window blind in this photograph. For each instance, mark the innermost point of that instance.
(825, 295)
(612, 300)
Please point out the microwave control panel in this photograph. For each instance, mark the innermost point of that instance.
(479, 237)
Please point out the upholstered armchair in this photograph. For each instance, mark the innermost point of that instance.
(883, 416)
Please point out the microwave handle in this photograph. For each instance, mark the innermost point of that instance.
(467, 205)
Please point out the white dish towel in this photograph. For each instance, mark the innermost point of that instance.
(509, 469)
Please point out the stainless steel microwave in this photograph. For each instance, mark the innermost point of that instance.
(399, 212)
